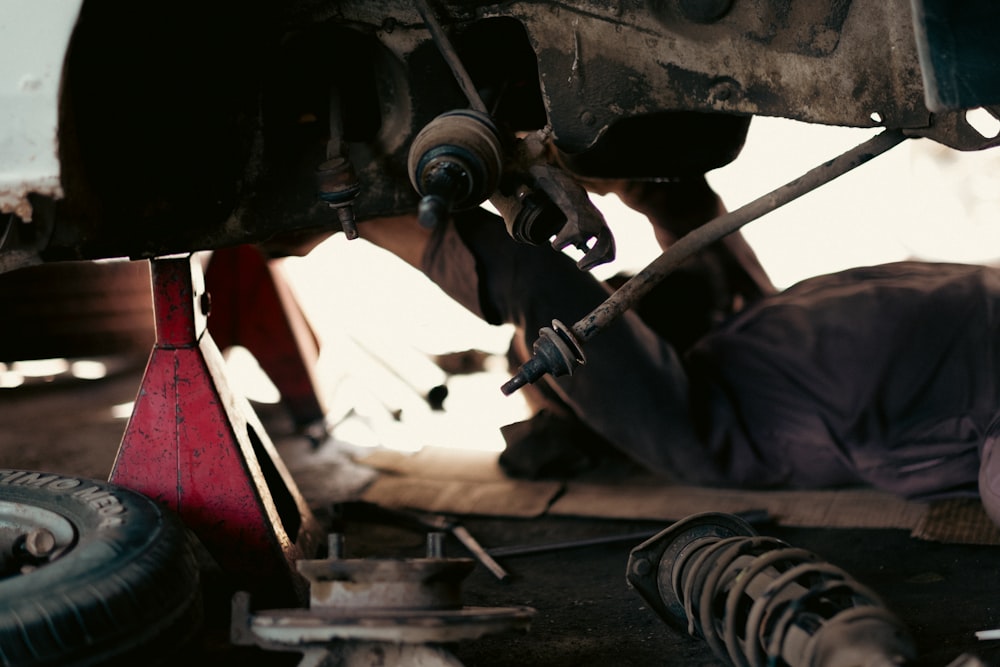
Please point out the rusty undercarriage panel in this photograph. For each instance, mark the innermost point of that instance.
(202, 126)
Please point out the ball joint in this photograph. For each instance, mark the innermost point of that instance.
(454, 164)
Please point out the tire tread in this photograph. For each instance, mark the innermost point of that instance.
(147, 588)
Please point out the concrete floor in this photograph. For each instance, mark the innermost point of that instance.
(586, 615)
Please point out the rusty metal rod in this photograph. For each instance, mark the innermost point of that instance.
(698, 239)
(450, 56)
(756, 516)
(477, 550)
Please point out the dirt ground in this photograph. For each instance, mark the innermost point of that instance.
(586, 615)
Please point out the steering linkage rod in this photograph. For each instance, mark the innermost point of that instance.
(558, 350)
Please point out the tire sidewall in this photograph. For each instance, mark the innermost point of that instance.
(128, 521)
(130, 575)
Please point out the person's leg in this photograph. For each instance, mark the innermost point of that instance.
(403, 236)
(553, 442)
(632, 390)
(885, 375)
(677, 206)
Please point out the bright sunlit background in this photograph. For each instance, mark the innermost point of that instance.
(921, 200)
(380, 321)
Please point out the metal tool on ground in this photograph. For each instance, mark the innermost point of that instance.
(365, 511)
(399, 611)
(758, 601)
(750, 516)
(558, 350)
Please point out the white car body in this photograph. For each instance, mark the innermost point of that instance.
(34, 38)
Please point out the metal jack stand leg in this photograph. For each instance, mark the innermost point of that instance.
(253, 306)
(195, 446)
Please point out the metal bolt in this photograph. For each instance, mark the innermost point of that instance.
(40, 543)
(335, 546)
(345, 214)
(432, 211)
(722, 90)
(435, 545)
(338, 186)
(641, 567)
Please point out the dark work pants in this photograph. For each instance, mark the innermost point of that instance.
(888, 375)
(632, 390)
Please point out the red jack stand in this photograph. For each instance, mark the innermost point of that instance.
(253, 306)
(197, 447)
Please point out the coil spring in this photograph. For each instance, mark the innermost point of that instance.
(758, 601)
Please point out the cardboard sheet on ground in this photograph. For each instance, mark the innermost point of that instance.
(957, 522)
(510, 499)
(470, 482)
(454, 481)
(833, 509)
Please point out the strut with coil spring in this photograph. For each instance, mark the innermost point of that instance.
(758, 601)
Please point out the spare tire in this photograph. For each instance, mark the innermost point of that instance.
(91, 573)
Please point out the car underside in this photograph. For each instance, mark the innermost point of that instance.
(147, 130)
(191, 126)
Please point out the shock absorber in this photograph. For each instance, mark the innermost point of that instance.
(758, 601)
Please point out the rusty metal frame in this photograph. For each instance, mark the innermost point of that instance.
(235, 156)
